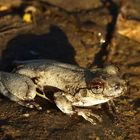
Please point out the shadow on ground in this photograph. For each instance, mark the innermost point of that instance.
(52, 45)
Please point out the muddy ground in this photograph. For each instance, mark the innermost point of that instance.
(84, 33)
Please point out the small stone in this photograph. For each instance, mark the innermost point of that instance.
(26, 115)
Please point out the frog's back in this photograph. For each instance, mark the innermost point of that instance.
(56, 74)
(64, 78)
(45, 63)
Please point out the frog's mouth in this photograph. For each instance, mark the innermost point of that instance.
(111, 96)
(114, 94)
(90, 102)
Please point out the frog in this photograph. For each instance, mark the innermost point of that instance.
(18, 88)
(74, 88)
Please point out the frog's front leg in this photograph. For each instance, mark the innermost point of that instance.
(66, 106)
(112, 107)
(63, 103)
(88, 115)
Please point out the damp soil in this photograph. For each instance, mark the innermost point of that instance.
(86, 35)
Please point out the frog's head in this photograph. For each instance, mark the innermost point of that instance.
(105, 85)
(108, 83)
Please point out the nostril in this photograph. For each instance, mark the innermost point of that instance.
(117, 86)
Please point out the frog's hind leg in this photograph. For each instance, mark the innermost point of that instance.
(26, 103)
(30, 104)
(6, 93)
(12, 97)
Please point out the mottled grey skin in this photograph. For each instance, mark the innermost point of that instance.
(74, 86)
(18, 88)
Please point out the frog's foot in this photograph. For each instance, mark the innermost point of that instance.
(112, 107)
(88, 115)
(30, 104)
(113, 110)
(24, 102)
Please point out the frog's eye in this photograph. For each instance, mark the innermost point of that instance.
(97, 86)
